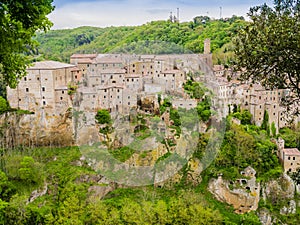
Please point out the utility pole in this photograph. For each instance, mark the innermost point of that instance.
(220, 12)
(178, 15)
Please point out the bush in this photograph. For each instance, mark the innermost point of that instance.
(3, 105)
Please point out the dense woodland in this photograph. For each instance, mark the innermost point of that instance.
(157, 37)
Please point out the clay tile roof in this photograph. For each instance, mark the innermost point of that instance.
(291, 151)
(49, 65)
(75, 69)
(83, 56)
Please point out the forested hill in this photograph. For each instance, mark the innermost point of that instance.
(172, 38)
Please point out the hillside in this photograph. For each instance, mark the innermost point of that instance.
(146, 39)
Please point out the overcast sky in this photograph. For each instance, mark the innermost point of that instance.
(104, 13)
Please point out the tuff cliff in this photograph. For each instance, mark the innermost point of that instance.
(39, 129)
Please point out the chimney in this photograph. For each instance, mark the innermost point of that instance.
(207, 46)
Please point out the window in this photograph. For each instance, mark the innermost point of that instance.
(104, 96)
(133, 71)
(43, 89)
(294, 158)
(94, 96)
(132, 79)
(75, 77)
(39, 78)
(44, 102)
(128, 103)
(19, 99)
(61, 98)
(128, 97)
(289, 158)
(105, 90)
(27, 89)
(63, 92)
(25, 78)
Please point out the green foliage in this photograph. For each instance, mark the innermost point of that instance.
(290, 136)
(265, 124)
(244, 116)
(3, 105)
(195, 89)
(103, 117)
(268, 46)
(203, 109)
(273, 129)
(72, 89)
(19, 22)
(7, 189)
(247, 146)
(157, 37)
(122, 154)
(30, 171)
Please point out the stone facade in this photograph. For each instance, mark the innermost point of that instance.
(45, 87)
(289, 157)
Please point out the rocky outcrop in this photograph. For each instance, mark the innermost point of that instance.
(265, 217)
(290, 208)
(38, 193)
(99, 192)
(40, 129)
(245, 198)
(195, 169)
(280, 189)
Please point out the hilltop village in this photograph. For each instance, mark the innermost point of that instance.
(121, 83)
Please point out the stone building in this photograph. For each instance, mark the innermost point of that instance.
(289, 157)
(45, 86)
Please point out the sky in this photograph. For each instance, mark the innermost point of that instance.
(105, 13)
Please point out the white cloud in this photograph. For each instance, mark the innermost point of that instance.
(134, 12)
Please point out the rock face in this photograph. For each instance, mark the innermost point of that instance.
(282, 188)
(38, 193)
(99, 192)
(265, 217)
(38, 129)
(245, 198)
(289, 209)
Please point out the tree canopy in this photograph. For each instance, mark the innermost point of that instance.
(19, 20)
(269, 47)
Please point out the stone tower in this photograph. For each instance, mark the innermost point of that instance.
(207, 46)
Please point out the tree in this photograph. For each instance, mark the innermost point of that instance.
(103, 117)
(3, 105)
(20, 20)
(269, 47)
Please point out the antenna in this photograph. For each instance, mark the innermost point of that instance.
(171, 17)
(178, 15)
